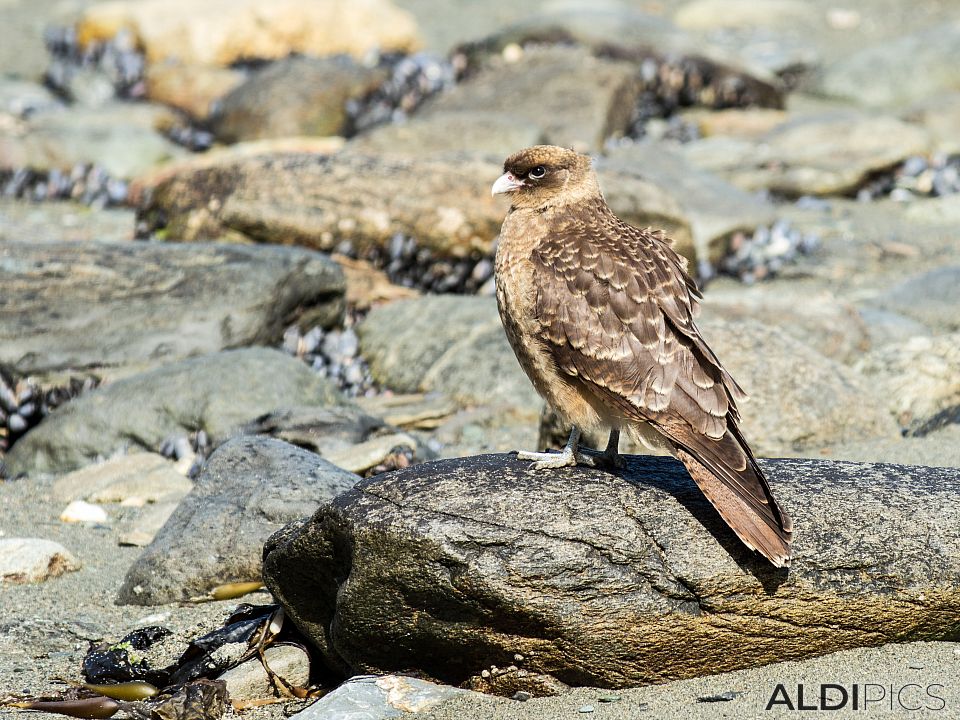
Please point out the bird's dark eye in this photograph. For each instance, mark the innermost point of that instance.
(538, 172)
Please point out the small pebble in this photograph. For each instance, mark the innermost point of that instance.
(83, 512)
(586, 709)
(522, 695)
(608, 698)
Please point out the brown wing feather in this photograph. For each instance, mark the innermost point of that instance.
(616, 309)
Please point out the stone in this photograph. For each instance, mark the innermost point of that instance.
(296, 96)
(313, 200)
(931, 298)
(194, 89)
(714, 208)
(125, 303)
(467, 356)
(830, 154)
(22, 98)
(940, 115)
(371, 453)
(249, 488)
(373, 698)
(815, 317)
(919, 380)
(489, 133)
(938, 448)
(249, 681)
(898, 71)
(712, 14)
(63, 221)
(124, 139)
(884, 327)
(943, 210)
(613, 580)
(140, 529)
(33, 560)
(736, 122)
(147, 476)
(224, 32)
(83, 512)
(217, 393)
(577, 100)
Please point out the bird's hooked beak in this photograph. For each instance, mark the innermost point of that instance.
(506, 183)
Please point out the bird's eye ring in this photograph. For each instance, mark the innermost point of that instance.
(538, 172)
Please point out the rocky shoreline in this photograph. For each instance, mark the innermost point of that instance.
(247, 334)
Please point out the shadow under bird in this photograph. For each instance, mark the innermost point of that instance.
(601, 316)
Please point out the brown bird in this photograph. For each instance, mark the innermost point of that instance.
(602, 316)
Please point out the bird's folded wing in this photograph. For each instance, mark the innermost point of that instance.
(616, 310)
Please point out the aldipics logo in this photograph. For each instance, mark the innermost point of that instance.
(858, 696)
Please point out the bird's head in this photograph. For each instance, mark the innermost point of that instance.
(544, 175)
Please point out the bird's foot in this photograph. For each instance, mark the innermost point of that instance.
(549, 460)
(601, 459)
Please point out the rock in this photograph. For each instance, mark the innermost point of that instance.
(712, 14)
(919, 380)
(816, 155)
(293, 97)
(224, 32)
(216, 392)
(939, 448)
(33, 560)
(388, 696)
(466, 356)
(373, 452)
(142, 528)
(194, 89)
(147, 476)
(474, 560)
(885, 327)
(898, 71)
(489, 133)
(124, 303)
(940, 115)
(122, 138)
(714, 209)
(936, 211)
(314, 201)
(367, 286)
(737, 122)
(799, 400)
(22, 98)
(931, 298)
(577, 100)
(249, 488)
(249, 681)
(89, 87)
(83, 512)
(815, 317)
(63, 221)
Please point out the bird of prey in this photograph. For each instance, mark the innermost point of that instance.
(601, 316)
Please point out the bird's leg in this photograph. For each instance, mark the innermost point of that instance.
(609, 459)
(565, 458)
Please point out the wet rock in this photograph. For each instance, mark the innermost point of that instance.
(466, 356)
(314, 200)
(715, 209)
(33, 560)
(249, 680)
(897, 71)
(293, 97)
(474, 560)
(124, 140)
(223, 32)
(931, 298)
(816, 155)
(919, 380)
(194, 89)
(147, 477)
(815, 317)
(249, 488)
(493, 134)
(217, 392)
(127, 302)
(388, 696)
(576, 99)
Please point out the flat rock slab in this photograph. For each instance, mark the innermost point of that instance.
(82, 305)
(613, 581)
(216, 393)
(249, 488)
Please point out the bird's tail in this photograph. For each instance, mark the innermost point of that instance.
(762, 526)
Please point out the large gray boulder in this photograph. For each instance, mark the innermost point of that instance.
(215, 393)
(249, 488)
(82, 305)
(613, 580)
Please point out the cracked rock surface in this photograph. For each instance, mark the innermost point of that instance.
(452, 567)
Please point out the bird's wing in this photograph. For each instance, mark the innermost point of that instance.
(616, 310)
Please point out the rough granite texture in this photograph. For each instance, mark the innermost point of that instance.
(613, 581)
